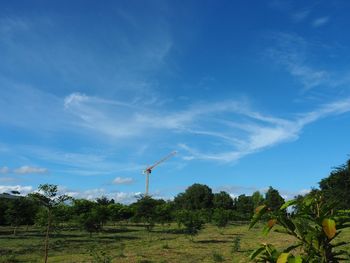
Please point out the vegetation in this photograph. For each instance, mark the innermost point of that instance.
(311, 228)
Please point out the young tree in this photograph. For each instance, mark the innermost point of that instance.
(164, 212)
(221, 217)
(48, 197)
(91, 221)
(115, 212)
(191, 220)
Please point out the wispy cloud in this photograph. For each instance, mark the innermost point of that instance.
(123, 180)
(321, 21)
(238, 126)
(4, 170)
(300, 15)
(266, 134)
(31, 170)
(291, 51)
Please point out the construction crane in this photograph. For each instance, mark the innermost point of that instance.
(149, 169)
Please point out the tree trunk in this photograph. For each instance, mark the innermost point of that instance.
(47, 235)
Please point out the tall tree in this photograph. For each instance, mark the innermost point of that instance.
(336, 187)
(273, 199)
(244, 206)
(222, 200)
(197, 196)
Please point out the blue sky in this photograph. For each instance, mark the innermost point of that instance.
(250, 94)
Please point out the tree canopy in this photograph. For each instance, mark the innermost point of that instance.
(336, 187)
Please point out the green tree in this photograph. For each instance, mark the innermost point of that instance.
(336, 187)
(91, 221)
(191, 220)
(48, 197)
(20, 211)
(273, 199)
(104, 201)
(197, 196)
(222, 200)
(244, 207)
(221, 217)
(115, 212)
(164, 212)
(81, 207)
(4, 204)
(145, 210)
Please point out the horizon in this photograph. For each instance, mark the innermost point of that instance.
(248, 96)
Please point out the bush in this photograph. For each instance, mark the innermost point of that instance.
(191, 220)
(221, 217)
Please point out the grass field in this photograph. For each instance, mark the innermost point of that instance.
(133, 243)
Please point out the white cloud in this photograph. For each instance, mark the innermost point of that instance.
(4, 170)
(22, 189)
(321, 21)
(74, 98)
(30, 170)
(92, 194)
(274, 131)
(291, 52)
(123, 180)
(252, 131)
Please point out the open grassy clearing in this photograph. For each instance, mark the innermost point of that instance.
(133, 243)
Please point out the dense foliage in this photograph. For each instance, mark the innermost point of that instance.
(314, 220)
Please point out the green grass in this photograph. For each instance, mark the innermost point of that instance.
(134, 244)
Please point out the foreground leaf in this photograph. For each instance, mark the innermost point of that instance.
(283, 258)
(329, 227)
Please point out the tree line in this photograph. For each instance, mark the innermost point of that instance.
(197, 201)
(312, 217)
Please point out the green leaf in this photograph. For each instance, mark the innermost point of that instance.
(342, 243)
(259, 212)
(288, 203)
(290, 248)
(296, 259)
(283, 258)
(328, 226)
(256, 252)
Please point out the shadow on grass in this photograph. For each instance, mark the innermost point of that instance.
(119, 230)
(170, 231)
(95, 238)
(213, 241)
